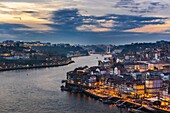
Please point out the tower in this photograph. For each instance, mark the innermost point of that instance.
(108, 49)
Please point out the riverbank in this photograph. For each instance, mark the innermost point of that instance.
(38, 91)
(125, 102)
(39, 66)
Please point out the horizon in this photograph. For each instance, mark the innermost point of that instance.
(89, 44)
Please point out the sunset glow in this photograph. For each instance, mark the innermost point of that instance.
(57, 17)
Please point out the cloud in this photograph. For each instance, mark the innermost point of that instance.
(50, 16)
(92, 28)
(6, 27)
(158, 28)
(28, 14)
(84, 21)
(141, 6)
(7, 36)
(71, 20)
(31, 12)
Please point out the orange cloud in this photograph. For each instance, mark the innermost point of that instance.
(159, 28)
(13, 13)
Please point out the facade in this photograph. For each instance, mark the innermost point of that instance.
(153, 86)
(131, 66)
(130, 57)
(107, 61)
(84, 76)
(169, 88)
(17, 57)
(139, 88)
(159, 65)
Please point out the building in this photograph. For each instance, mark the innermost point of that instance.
(130, 57)
(84, 76)
(107, 60)
(166, 67)
(169, 88)
(158, 65)
(132, 66)
(153, 86)
(139, 88)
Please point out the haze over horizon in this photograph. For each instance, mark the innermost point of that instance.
(85, 22)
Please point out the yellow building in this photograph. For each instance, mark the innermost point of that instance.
(139, 88)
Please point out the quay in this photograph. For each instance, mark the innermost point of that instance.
(38, 66)
(115, 99)
(94, 95)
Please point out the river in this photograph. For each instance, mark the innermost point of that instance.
(38, 91)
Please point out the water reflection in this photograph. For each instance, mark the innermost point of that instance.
(38, 91)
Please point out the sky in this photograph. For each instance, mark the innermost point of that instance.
(85, 21)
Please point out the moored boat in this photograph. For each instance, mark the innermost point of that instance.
(132, 110)
(63, 88)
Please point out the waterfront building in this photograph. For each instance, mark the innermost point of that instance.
(17, 57)
(86, 77)
(169, 88)
(139, 88)
(153, 86)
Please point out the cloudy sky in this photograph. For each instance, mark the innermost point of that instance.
(85, 21)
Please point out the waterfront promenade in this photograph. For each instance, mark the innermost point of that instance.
(38, 66)
(101, 94)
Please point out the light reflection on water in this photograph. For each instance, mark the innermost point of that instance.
(38, 91)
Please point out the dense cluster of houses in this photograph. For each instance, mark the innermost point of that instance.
(19, 54)
(15, 50)
(136, 78)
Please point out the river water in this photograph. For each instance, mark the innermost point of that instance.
(38, 91)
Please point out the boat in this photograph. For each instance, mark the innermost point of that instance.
(108, 101)
(101, 100)
(121, 105)
(145, 109)
(63, 81)
(132, 110)
(63, 88)
(76, 91)
(119, 101)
